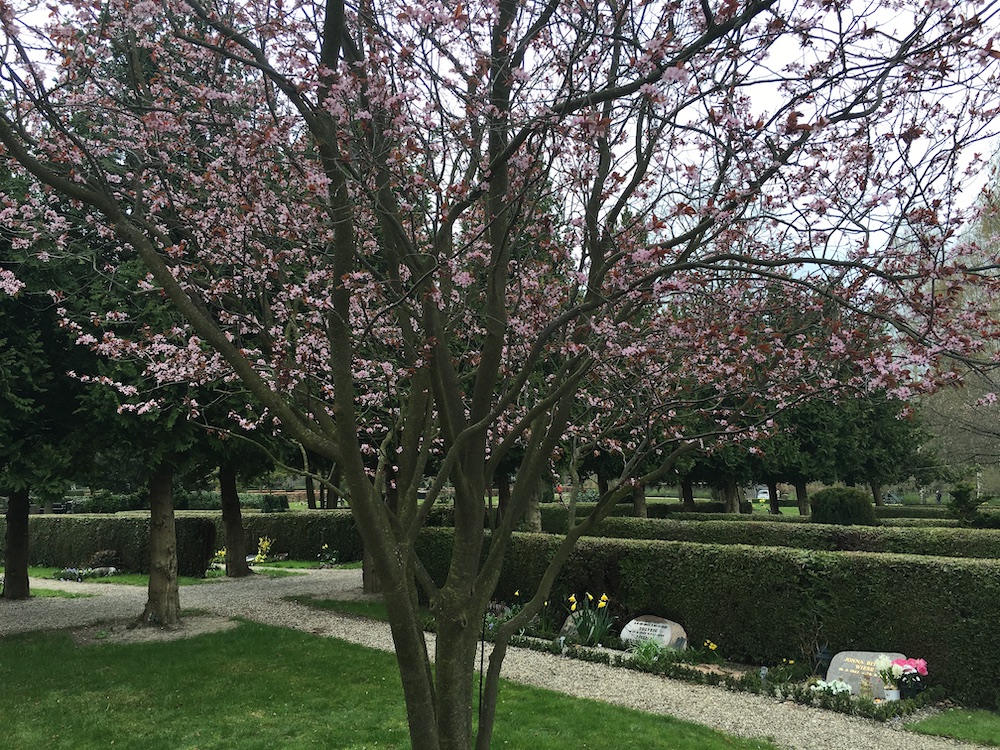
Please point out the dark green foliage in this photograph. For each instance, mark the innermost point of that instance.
(845, 506)
(765, 604)
(273, 503)
(301, 535)
(63, 542)
(963, 503)
(924, 540)
(554, 516)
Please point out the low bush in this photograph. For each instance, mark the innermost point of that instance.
(302, 534)
(844, 506)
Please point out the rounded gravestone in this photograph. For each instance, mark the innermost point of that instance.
(652, 628)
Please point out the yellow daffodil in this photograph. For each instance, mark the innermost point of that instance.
(602, 603)
(572, 598)
(517, 593)
(573, 608)
(604, 598)
(590, 597)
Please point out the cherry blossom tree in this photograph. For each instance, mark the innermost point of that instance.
(418, 231)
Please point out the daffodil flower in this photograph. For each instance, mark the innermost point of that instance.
(604, 598)
(590, 597)
(602, 603)
(572, 598)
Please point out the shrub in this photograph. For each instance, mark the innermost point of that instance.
(845, 506)
(963, 504)
(273, 503)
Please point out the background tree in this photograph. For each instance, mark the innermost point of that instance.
(332, 197)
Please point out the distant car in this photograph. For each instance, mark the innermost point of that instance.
(763, 494)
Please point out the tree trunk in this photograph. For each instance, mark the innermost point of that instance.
(503, 496)
(232, 524)
(772, 497)
(877, 493)
(163, 606)
(310, 493)
(602, 485)
(687, 496)
(803, 498)
(731, 496)
(639, 500)
(15, 576)
(533, 514)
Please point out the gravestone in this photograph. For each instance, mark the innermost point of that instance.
(857, 668)
(652, 628)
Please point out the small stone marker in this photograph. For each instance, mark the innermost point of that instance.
(652, 628)
(857, 668)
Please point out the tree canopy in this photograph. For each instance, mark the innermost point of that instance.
(435, 228)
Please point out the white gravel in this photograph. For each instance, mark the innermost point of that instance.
(259, 598)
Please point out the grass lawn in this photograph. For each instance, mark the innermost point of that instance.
(142, 579)
(261, 688)
(372, 610)
(982, 727)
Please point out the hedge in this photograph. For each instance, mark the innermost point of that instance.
(67, 541)
(71, 541)
(302, 534)
(917, 540)
(765, 604)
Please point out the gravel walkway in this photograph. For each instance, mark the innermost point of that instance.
(259, 598)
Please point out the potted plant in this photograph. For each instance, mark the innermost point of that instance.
(911, 681)
(890, 673)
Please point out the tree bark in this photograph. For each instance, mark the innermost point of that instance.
(310, 493)
(731, 496)
(15, 576)
(602, 485)
(687, 496)
(639, 500)
(802, 496)
(163, 607)
(772, 496)
(503, 495)
(877, 493)
(232, 525)
(533, 514)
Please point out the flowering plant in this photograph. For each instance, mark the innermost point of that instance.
(900, 672)
(592, 620)
(912, 672)
(889, 671)
(834, 687)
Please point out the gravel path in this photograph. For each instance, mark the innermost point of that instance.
(259, 598)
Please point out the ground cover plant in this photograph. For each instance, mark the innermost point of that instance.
(260, 688)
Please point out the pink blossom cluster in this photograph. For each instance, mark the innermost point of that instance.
(912, 666)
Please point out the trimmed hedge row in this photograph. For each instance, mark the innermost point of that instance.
(69, 541)
(765, 604)
(302, 534)
(933, 541)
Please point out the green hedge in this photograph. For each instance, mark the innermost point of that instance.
(919, 540)
(64, 541)
(765, 604)
(912, 511)
(554, 516)
(302, 534)
(68, 541)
